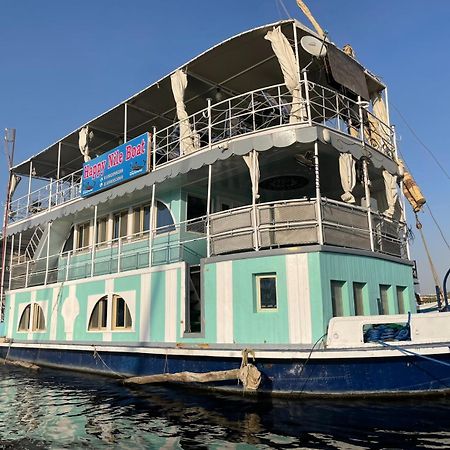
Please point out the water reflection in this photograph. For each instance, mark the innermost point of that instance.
(54, 409)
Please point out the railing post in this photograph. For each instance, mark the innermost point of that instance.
(254, 209)
(49, 226)
(253, 110)
(318, 194)
(30, 177)
(50, 194)
(119, 252)
(151, 227)
(153, 148)
(209, 123)
(361, 119)
(367, 195)
(27, 273)
(69, 253)
(11, 262)
(308, 104)
(94, 241)
(208, 213)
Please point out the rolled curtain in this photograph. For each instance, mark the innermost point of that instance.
(390, 184)
(347, 171)
(84, 137)
(286, 58)
(179, 83)
(15, 180)
(252, 162)
(380, 131)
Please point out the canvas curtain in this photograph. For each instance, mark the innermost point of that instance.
(286, 58)
(179, 83)
(390, 184)
(348, 176)
(15, 179)
(84, 137)
(252, 162)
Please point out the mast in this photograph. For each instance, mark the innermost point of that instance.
(10, 141)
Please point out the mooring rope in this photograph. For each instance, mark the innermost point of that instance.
(409, 352)
(98, 356)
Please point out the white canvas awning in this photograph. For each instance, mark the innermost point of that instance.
(179, 83)
(348, 176)
(288, 65)
(390, 184)
(252, 162)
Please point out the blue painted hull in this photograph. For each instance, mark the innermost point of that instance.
(400, 375)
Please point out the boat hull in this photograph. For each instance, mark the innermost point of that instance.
(322, 375)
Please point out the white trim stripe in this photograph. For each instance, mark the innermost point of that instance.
(170, 334)
(224, 288)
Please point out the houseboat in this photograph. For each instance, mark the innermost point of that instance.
(243, 212)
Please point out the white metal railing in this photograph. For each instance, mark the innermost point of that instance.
(250, 112)
(278, 224)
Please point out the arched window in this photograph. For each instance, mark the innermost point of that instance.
(38, 318)
(24, 324)
(121, 313)
(99, 315)
(164, 219)
(121, 316)
(38, 323)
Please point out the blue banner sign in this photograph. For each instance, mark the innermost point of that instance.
(123, 163)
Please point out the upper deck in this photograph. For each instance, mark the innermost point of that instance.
(237, 105)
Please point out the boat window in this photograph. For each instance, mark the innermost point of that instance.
(24, 323)
(383, 301)
(164, 219)
(120, 224)
(141, 219)
(68, 245)
(266, 288)
(358, 298)
(99, 314)
(83, 235)
(336, 298)
(121, 313)
(38, 318)
(102, 225)
(196, 207)
(401, 299)
(193, 319)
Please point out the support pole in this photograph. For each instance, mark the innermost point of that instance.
(308, 104)
(153, 148)
(11, 261)
(367, 195)
(254, 211)
(30, 177)
(152, 226)
(318, 195)
(58, 173)
(94, 241)
(49, 227)
(208, 213)
(125, 123)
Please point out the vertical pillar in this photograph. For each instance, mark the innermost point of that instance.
(58, 173)
(308, 105)
(208, 213)
(367, 195)
(49, 227)
(152, 226)
(209, 123)
(153, 148)
(125, 123)
(94, 241)
(30, 176)
(254, 211)
(11, 257)
(318, 195)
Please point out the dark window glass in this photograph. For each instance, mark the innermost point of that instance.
(196, 207)
(122, 314)
(68, 245)
(99, 314)
(383, 305)
(38, 318)
(24, 323)
(267, 286)
(358, 298)
(146, 218)
(336, 298)
(164, 220)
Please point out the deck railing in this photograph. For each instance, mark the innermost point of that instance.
(251, 227)
(251, 112)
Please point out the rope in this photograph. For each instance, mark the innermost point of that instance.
(9, 348)
(409, 352)
(249, 375)
(430, 260)
(438, 227)
(98, 356)
(307, 360)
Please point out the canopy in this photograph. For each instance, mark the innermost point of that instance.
(237, 65)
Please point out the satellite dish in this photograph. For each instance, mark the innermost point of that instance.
(313, 46)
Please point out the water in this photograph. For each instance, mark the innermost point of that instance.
(55, 409)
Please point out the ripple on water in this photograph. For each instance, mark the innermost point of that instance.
(53, 409)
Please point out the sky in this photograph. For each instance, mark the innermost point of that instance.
(64, 62)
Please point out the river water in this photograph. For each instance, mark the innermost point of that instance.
(56, 409)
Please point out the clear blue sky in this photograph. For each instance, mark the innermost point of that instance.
(64, 62)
